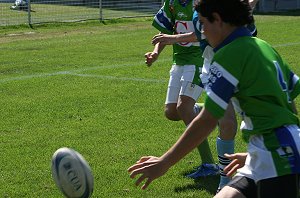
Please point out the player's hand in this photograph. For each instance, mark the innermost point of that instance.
(150, 57)
(164, 39)
(149, 168)
(238, 161)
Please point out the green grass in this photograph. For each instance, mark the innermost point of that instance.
(85, 86)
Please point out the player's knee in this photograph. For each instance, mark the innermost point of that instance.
(171, 114)
(229, 192)
(183, 111)
(228, 128)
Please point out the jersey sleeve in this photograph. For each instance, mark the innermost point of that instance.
(198, 27)
(163, 20)
(294, 85)
(217, 99)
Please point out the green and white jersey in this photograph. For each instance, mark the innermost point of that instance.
(175, 17)
(262, 84)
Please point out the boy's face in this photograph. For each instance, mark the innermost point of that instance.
(211, 30)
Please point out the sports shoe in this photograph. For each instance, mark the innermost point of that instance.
(205, 170)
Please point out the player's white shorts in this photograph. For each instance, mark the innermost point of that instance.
(273, 154)
(184, 80)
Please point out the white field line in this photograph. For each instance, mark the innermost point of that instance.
(77, 72)
(81, 75)
(286, 44)
(119, 78)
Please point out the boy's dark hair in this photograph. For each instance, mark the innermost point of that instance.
(234, 12)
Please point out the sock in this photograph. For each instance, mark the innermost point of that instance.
(224, 146)
(203, 148)
(205, 153)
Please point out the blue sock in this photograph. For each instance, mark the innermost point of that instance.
(224, 146)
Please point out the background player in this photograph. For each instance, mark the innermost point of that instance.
(175, 17)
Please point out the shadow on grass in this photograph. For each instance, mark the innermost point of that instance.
(208, 184)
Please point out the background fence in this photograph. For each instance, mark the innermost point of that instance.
(44, 11)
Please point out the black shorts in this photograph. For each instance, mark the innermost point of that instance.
(283, 186)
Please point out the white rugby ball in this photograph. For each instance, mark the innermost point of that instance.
(72, 174)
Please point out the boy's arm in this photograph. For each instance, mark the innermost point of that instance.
(168, 39)
(151, 57)
(150, 168)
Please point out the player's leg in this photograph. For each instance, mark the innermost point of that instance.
(187, 109)
(239, 187)
(230, 192)
(283, 186)
(173, 90)
(225, 142)
(184, 92)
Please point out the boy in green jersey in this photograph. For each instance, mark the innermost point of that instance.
(251, 71)
(228, 124)
(184, 89)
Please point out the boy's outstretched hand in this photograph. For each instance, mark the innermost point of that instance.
(237, 161)
(150, 168)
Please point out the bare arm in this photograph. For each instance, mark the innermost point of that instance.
(151, 167)
(151, 57)
(196, 133)
(177, 38)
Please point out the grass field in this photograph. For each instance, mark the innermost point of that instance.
(85, 86)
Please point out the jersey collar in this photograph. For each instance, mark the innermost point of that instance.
(184, 2)
(239, 32)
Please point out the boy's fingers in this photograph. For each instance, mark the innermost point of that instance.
(148, 181)
(139, 180)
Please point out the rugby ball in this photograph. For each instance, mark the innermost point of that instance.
(72, 174)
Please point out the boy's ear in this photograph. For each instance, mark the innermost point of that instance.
(217, 17)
